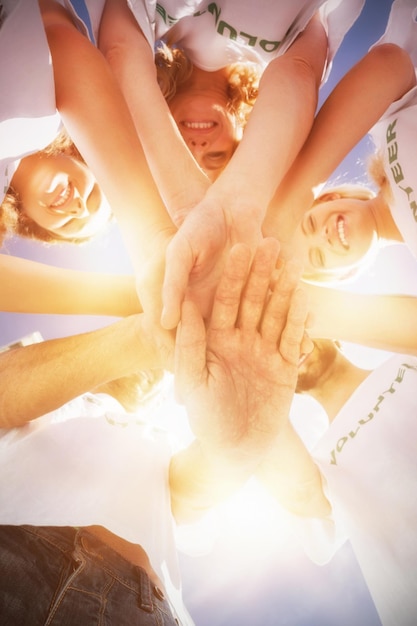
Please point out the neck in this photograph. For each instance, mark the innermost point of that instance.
(337, 387)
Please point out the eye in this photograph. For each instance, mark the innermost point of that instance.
(311, 224)
(317, 258)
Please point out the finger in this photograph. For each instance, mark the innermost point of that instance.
(190, 349)
(276, 311)
(179, 263)
(258, 284)
(229, 290)
(292, 340)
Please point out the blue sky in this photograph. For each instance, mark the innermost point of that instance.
(256, 575)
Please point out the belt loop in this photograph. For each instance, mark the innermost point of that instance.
(145, 591)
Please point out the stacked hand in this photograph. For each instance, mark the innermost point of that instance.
(237, 376)
(196, 255)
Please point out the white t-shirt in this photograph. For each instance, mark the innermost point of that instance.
(215, 34)
(368, 457)
(395, 134)
(28, 117)
(265, 28)
(100, 468)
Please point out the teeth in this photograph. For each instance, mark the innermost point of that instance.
(199, 125)
(341, 232)
(62, 198)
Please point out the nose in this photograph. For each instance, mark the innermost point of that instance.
(78, 208)
(198, 142)
(324, 234)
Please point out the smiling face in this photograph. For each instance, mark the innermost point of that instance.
(335, 234)
(61, 195)
(208, 129)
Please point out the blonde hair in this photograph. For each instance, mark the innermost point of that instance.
(379, 177)
(174, 68)
(14, 221)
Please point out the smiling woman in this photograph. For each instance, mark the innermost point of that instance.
(340, 235)
(56, 197)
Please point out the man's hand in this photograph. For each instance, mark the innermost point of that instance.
(196, 255)
(237, 378)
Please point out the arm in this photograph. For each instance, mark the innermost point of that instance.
(64, 291)
(104, 133)
(357, 318)
(131, 59)
(41, 377)
(358, 101)
(234, 207)
(292, 477)
(237, 379)
(278, 125)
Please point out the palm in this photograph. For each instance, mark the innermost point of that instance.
(197, 254)
(238, 378)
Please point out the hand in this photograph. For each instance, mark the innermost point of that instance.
(196, 255)
(237, 378)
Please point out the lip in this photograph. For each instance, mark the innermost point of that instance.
(62, 197)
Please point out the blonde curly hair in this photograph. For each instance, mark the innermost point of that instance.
(13, 220)
(174, 68)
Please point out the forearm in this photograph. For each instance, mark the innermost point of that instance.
(280, 121)
(199, 481)
(385, 322)
(30, 287)
(105, 134)
(354, 106)
(292, 477)
(39, 378)
(131, 59)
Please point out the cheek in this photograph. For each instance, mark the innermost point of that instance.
(299, 248)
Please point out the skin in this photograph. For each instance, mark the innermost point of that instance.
(236, 377)
(328, 376)
(335, 234)
(61, 194)
(31, 287)
(200, 111)
(212, 218)
(289, 472)
(339, 232)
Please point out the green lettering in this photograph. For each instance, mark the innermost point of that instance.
(251, 38)
(400, 375)
(390, 136)
(397, 173)
(392, 152)
(214, 10)
(369, 418)
(341, 443)
(269, 46)
(232, 31)
(407, 190)
(353, 433)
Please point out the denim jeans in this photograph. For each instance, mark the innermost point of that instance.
(68, 577)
